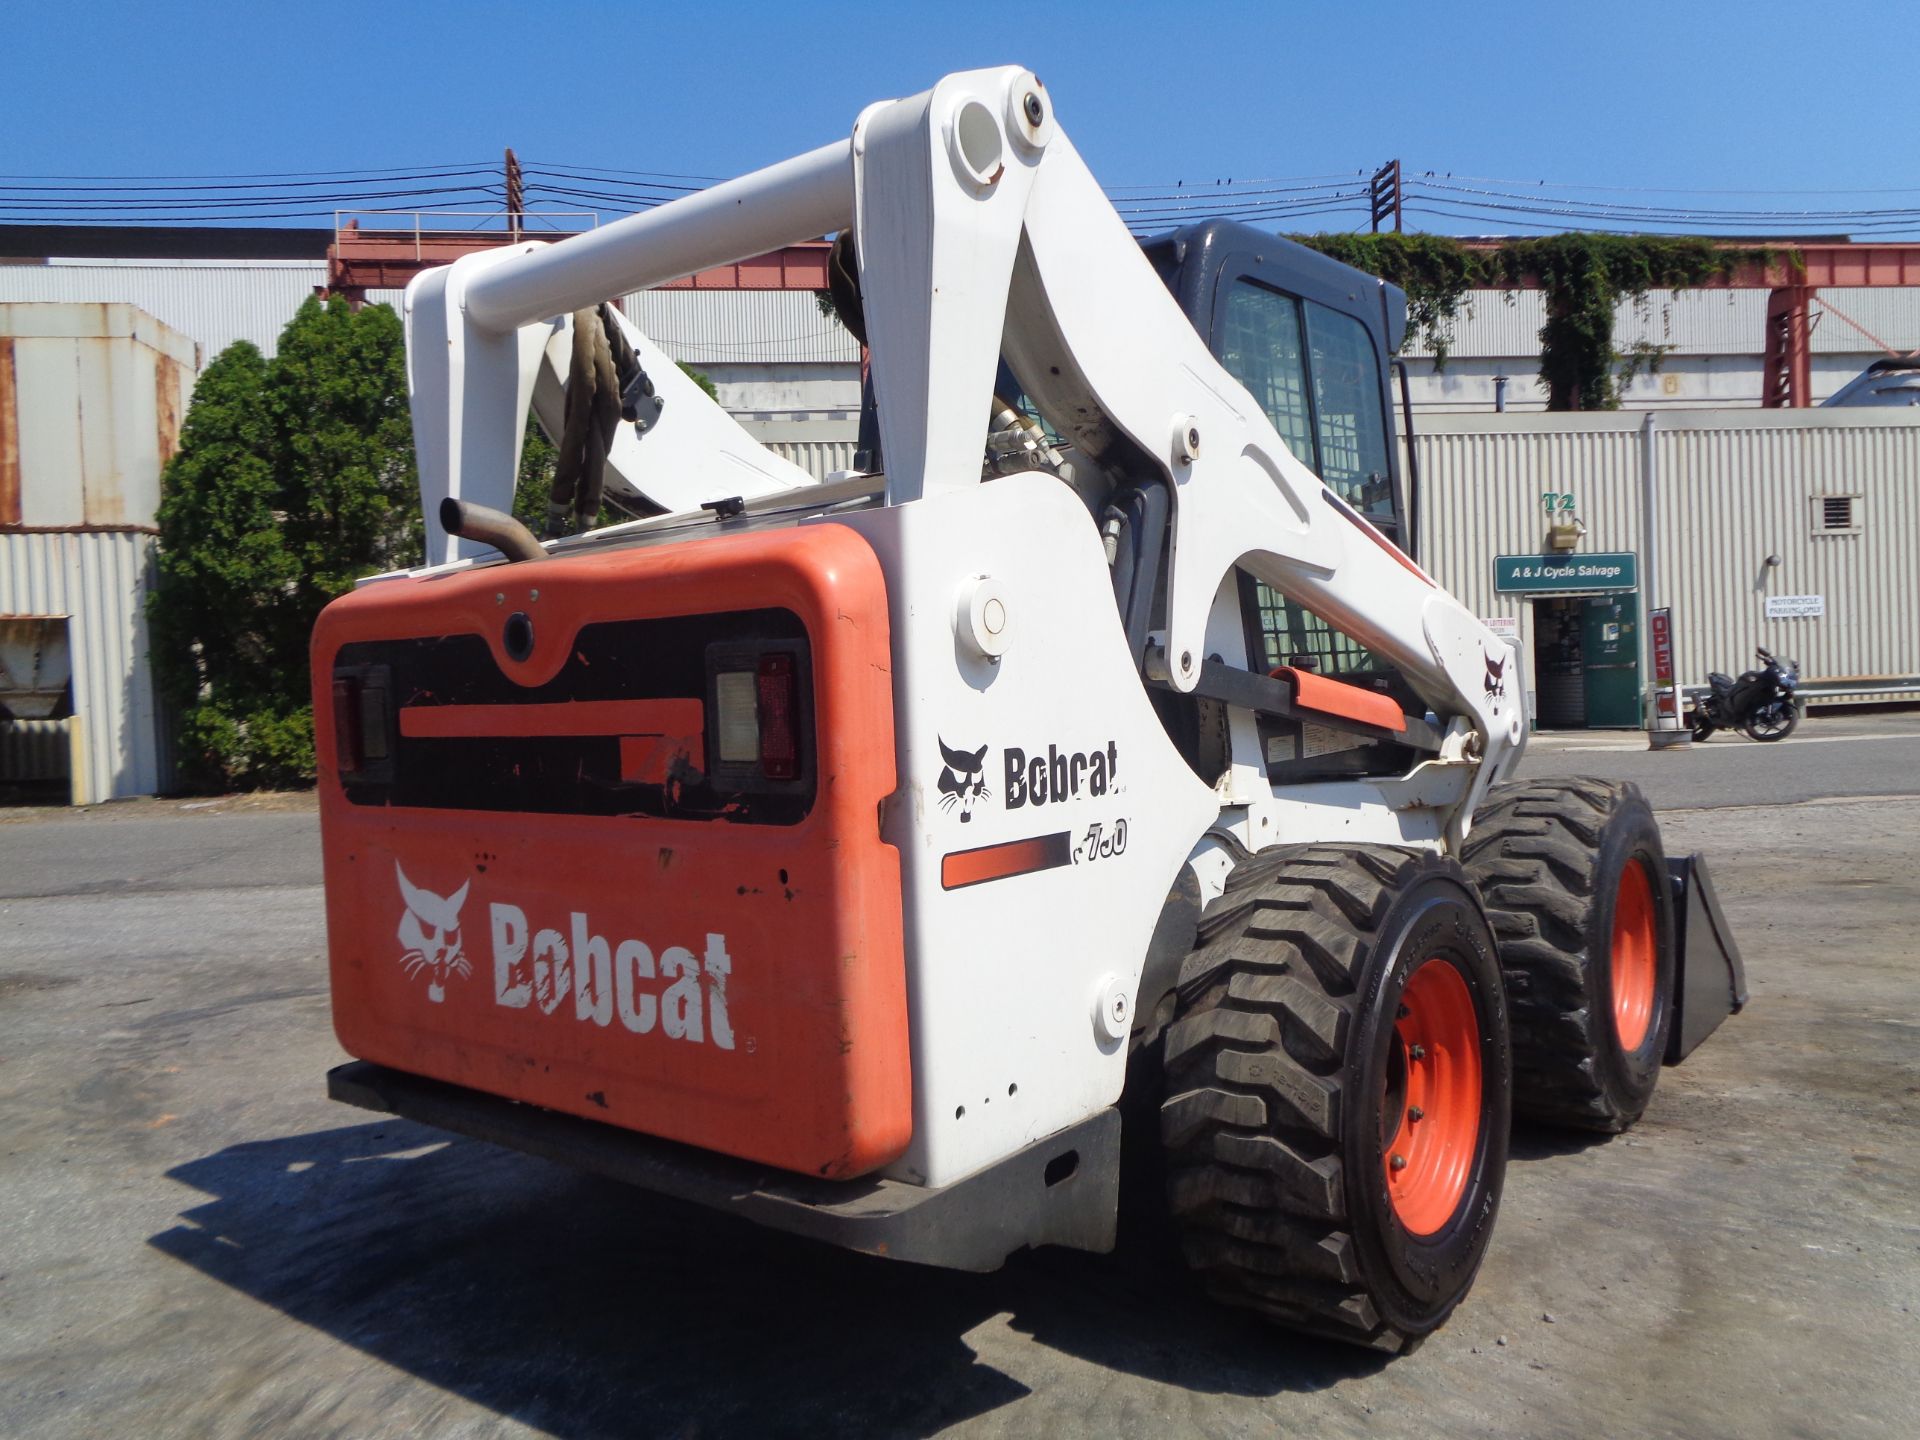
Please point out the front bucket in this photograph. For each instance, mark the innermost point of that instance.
(1709, 980)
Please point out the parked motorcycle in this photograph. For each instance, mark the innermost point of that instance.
(1760, 702)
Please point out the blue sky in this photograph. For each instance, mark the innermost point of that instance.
(1700, 97)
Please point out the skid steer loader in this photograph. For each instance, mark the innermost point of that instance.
(833, 854)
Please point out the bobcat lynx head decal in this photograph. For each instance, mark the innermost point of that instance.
(430, 931)
(960, 780)
(1496, 676)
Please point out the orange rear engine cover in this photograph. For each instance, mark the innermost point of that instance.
(553, 877)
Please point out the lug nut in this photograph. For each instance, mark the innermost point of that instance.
(1418, 1052)
(1402, 1013)
(1415, 1113)
(1397, 1164)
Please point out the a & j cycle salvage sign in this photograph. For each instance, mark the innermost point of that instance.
(1550, 574)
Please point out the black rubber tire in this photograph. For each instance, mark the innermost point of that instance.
(1767, 737)
(1276, 1074)
(1548, 856)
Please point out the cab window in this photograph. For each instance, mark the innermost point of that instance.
(1265, 352)
(1289, 634)
(1346, 404)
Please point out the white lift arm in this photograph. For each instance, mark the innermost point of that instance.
(979, 230)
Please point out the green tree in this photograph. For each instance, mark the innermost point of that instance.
(336, 396)
(294, 478)
(221, 616)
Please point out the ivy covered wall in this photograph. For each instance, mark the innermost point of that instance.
(1583, 277)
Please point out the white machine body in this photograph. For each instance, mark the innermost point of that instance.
(981, 234)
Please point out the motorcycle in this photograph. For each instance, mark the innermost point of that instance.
(1760, 703)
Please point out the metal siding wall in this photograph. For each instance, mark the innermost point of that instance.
(1734, 487)
(1498, 323)
(715, 327)
(100, 580)
(215, 304)
(819, 458)
(1732, 494)
(34, 750)
(1480, 497)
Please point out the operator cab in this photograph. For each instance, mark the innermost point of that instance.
(1313, 340)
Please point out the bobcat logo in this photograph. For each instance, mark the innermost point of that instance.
(960, 782)
(430, 930)
(1497, 677)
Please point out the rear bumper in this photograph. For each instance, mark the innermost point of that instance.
(1063, 1190)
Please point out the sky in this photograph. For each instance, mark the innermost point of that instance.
(1676, 97)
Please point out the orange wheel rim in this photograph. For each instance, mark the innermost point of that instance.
(1635, 963)
(1432, 1117)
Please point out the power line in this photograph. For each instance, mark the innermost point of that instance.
(138, 190)
(1560, 205)
(602, 170)
(1518, 204)
(9, 202)
(259, 175)
(1675, 189)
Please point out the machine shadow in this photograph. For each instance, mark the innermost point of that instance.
(585, 1308)
(1535, 1141)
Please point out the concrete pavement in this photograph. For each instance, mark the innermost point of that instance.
(197, 1243)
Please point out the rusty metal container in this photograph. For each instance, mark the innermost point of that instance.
(92, 398)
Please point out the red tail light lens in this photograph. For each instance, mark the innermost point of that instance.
(346, 724)
(362, 721)
(779, 719)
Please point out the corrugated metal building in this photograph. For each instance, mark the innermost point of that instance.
(213, 302)
(773, 357)
(1758, 514)
(91, 402)
(1713, 341)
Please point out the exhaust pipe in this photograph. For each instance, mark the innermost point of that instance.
(468, 521)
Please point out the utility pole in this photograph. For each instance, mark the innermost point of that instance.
(516, 197)
(1383, 192)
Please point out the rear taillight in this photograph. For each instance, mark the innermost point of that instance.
(758, 728)
(346, 724)
(362, 720)
(779, 719)
(736, 721)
